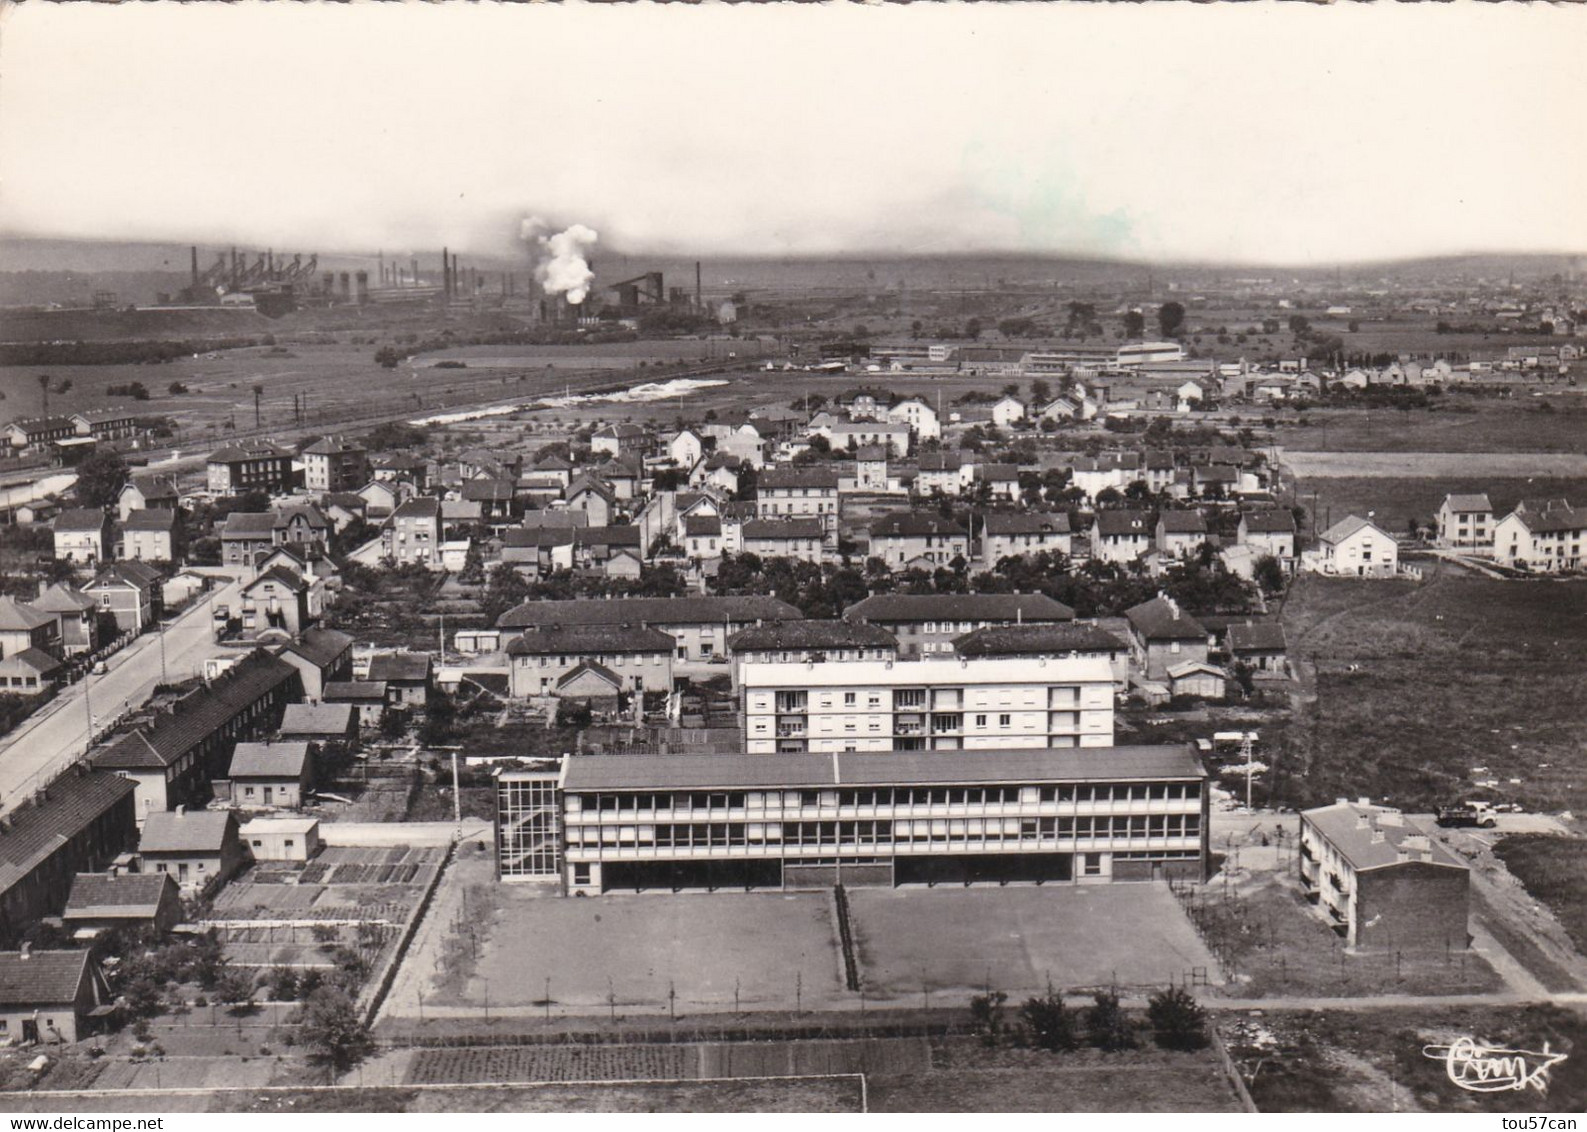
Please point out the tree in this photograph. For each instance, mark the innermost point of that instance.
(1134, 324)
(100, 478)
(332, 1031)
(1109, 1028)
(1050, 1024)
(1269, 574)
(44, 391)
(1178, 1020)
(987, 1012)
(1040, 393)
(1299, 325)
(233, 987)
(1170, 317)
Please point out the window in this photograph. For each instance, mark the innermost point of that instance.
(980, 721)
(288, 844)
(1004, 720)
(849, 699)
(1093, 865)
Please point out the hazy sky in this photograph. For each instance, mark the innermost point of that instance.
(1292, 133)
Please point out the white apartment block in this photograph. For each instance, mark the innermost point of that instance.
(916, 705)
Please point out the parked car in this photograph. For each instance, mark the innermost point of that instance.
(1451, 817)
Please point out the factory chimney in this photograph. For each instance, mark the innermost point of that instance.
(347, 287)
(194, 250)
(361, 281)
(698, 303)
(446, 272)
(234, 269)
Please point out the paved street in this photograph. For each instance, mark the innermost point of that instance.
(37, 750)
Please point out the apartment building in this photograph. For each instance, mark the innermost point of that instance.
(791, 708)
(799, 493)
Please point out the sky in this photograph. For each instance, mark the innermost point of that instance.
(1260, 133)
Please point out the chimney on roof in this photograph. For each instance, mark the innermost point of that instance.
(25, 950)
(181, 809)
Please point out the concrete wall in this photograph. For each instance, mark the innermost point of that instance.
(1413, 905)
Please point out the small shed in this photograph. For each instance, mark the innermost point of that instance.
(1198, 678)
(281, 839)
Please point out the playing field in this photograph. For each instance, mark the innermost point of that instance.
(771, 949)
(956, 941)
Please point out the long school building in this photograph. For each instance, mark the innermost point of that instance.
(792, 708)
(871, 818)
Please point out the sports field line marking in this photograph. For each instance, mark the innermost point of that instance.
(440, 1086)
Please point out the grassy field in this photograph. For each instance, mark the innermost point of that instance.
(1394, 499)
(1554, 870)
(1417, 686)
(956, 941)
(1374, 1061)
(1459, 424)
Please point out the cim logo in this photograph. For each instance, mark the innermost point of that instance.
(1478, 1068)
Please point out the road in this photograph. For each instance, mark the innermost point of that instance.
(54, 738)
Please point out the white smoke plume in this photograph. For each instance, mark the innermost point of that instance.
(561, 263)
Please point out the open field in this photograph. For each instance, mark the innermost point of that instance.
(1554, 870)
(1460, 424)
(1431, 465)
(1397, 499)
(768, 948)
(1423, 691)
(1375, 1062)
(954, 942)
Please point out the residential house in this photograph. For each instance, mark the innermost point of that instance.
(1545, 537)
(401, 466)
(685, 448)
(246, 536)
(53, 997)
(111, 423)
(928, 624)
(596, 547)
(407, 677)
(322, 657)
(700, 626)
(1163, 636)
(108, 901)
(594, 498)
(255, 466)
(784, 538)
(553, 468)
(921, 418)
(1269, 532)
(1015, 534)
(270, 774)
(303, 526)
(79, 823)
(30, 649)
(497, 499)
(1094, 475)
(413, 534)
(82, 535)
(150, 535)
(1260, 646)
(1358, 547)
(1121, 536)
(130, 592)
(198, 848)
(702, 536)
(942, 472)
(275, 606)
(172, 760)
(918, 539)
(538, 551)
(718, 471)
(851, 435)
(619, 439)
(334, 463)
(1180, 534)
(999, 481)
(320, 724)
(37, 433)
(625, 475)
(1006, 411)
(74, 613)
(146, 492)
(1465, 522)
(640, 659)
(799, 493)
(1383, 884)
(382, 497)
(367, 696)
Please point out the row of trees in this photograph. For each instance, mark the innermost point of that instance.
(1174, 1019)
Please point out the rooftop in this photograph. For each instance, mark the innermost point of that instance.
(100, 895)
(70, 803)
(587, 773)
(409, 666)
(16, 617)
(1259, 636)
(80, 519)
(1270, 521)
(596, 640)
(958, 607)
(1027, 523)
(915, 524)
(150, 519)
(1052, 639)
(318, 646)
(648, 611)
(1161, 619)
(783, 528)
(317, 719)
(926, 673)
(176, 831)
(1468, 503)
(812, 635)
(1123, 523)
(40, 978)
(1372, 837)
(272, 760)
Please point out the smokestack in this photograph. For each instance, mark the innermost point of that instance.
(446, 272)
(361, 279)
(454, 275)
(194, 250)
(698, 302)
(347, 286)
(234, 269)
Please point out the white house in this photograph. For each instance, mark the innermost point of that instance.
(1358, 547)
(686, 449)
(1007, 410)
(1465, 522)
(919, 416)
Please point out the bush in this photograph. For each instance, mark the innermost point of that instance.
(1049, 1023)
(1178, 1020)
(987, 1012)
(1109, 1029)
